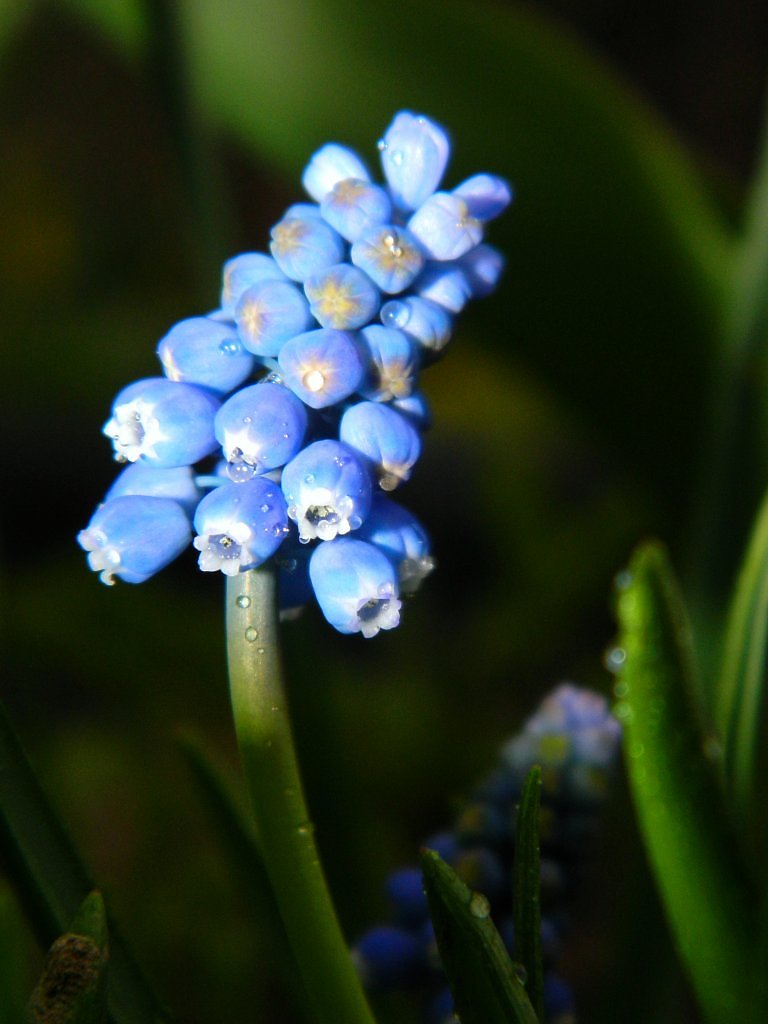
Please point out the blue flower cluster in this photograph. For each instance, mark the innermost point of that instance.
(574, 739)
(302, 390)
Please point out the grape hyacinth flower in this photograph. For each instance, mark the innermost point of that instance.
(574, 738)
(283, 414)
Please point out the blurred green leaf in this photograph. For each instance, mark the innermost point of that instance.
(484, 982)
(743, 675)
(50, 880)
(526, 882)
(72, 988)
(709, 900)
(14, 959)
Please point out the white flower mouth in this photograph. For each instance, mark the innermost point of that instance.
(380, 612)
(223, 552)
(323, 516)
(102, 558)
(134, 430)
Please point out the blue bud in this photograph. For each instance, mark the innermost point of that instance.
(268, 314)
(145, 479)
(414, 152)
(303, 246)
(402, 538)
(415, 409)
(486, 195)
(390, 256)
(445, 228)
(321, 367)
(330, 165)
(134, 536)
(423, 321)
(355, 586)
(483, 266)
(303, 210)
(405, 891)
(242, 272)
(202, 351)
(391, 364)
(445, 845)
(383, 436)
(389, 958)
(446, 284)
(240, 525)
(162, 421)
(259, 428)
(342, 297)
(355, 206)
(328, 490)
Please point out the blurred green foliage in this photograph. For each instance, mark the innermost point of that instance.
(571, 418)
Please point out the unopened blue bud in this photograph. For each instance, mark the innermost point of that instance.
(134, 536)
(322, 367)
(405, 891)
(486, 195)
(242, 272)
(303, 210)
(353, 207)
(240, 525)
(387, 958)
(402, 538)
(355, 586)
(446, 284)
(445, 227)
(268, 314)
(331, 164)
(202, 351)
(383, 436)
(416, 410)
(342, 297)
(423, 321)
(259, 428)
(391, 364)
(414, 152)
(145, 479)
(303, 246)
(483, 266)
(328, 490)
(162, 421)
(390, 256)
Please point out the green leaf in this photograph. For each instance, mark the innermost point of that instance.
(486, 985)
(707, 893)
(527, 883)
(51, 881)
(72, 988)
(743, 674)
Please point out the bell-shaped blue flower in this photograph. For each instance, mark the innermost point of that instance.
(162, 421)
(486, 195)
(414, 152)
(383, 436)
(390, 256)
(423, 321)
(134, 536)
(387, 958)
(205, 351)
(242, 272)
(446, 284)
(327, 488)
(483, 266)
(145, 479)
(391, 363)
(303, 246)
(415, 408)
(322, 367)
(331, 164)
(342, 297)
(355, 586)
(402, 538)
(445, 227)
(268, 314)
(240, 525)
(354, 206)
(260, 428)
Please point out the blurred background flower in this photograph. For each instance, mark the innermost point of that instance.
(141, 144)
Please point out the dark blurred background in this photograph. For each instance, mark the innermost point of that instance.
(140, 144)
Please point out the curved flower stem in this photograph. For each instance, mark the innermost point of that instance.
(286, 834)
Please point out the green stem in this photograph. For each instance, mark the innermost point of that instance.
(286, 834)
